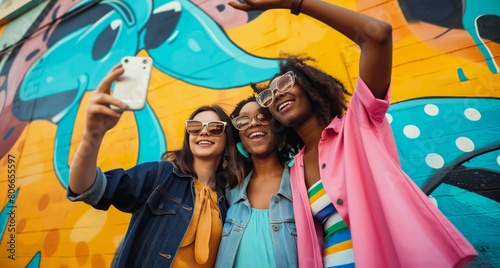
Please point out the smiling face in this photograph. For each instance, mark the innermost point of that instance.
(291, 108)
(258, 139)
(204, 145)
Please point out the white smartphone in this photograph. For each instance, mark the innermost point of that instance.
(132, 86)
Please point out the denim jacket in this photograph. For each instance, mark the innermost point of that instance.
(282, 224)
(161, 200)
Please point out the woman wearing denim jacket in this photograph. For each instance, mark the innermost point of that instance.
(177, 207)
(259, 230)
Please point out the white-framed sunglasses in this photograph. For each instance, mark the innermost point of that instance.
(283, 83)
(215, 128)
(243, 122)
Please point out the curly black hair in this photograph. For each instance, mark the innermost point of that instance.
(326, 93)
(285, 133)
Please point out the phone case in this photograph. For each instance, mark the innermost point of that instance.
(132, 87)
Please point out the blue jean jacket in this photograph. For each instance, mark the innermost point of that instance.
(282, 224)
(161, 201)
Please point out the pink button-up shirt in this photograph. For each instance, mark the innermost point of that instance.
(392, 222)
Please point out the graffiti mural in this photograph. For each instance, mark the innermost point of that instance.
(445, 104)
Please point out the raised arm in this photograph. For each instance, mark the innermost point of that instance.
(99, 119)
(373, 36)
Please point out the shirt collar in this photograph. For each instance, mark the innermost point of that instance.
(284, 189)
(241, 195)
(219, 187)
(332, 128)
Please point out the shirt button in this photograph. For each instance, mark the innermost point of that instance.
(276, 228)
(160, 206)
(323, 166)
(276, 199)
(340, 201)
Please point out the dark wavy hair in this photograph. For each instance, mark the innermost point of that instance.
(284, 134)
(328, 96)
(231, 173)
(326, 93)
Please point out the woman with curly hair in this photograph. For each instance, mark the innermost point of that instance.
(353, 203)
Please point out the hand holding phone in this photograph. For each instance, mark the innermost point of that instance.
(132, 87)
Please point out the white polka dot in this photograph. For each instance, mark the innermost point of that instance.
(389, 118)
(431, 109)
(434, 160)
(498, 160)
(465, 144)
(49, 79)
(472, 114)
(411, 131)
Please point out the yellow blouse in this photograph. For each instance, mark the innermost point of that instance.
(201, 242)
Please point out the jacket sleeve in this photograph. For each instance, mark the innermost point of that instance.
(124, 189)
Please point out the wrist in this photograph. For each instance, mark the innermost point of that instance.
(92, 136)
(295, 8)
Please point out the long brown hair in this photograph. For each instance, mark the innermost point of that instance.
(230, 173)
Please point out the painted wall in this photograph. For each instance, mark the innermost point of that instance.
(445, 104)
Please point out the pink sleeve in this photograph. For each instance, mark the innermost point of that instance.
(363, 99)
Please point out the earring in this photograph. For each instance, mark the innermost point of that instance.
(224, 162)
(281, 143)
(242, 150)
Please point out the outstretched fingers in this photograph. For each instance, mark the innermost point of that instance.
(108, 101)
(240, 6)
(105, 85)
(104, 110)
(247, 5)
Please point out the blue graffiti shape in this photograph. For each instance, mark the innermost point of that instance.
(81, 50)
(150, 134)
(449, 14)
(461, 75)
(7, 218)
(480, 18)
(475, 11)
(435, 133)
(480, 180)
(183, 41)
(447, 145)
(35, 261)
(198, 51)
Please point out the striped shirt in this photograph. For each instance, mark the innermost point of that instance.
(337, 248)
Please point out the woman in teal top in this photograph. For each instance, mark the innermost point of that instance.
(259, 230)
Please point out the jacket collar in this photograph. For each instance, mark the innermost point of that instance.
(218, 185)
(180, 174)
(284, 189)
